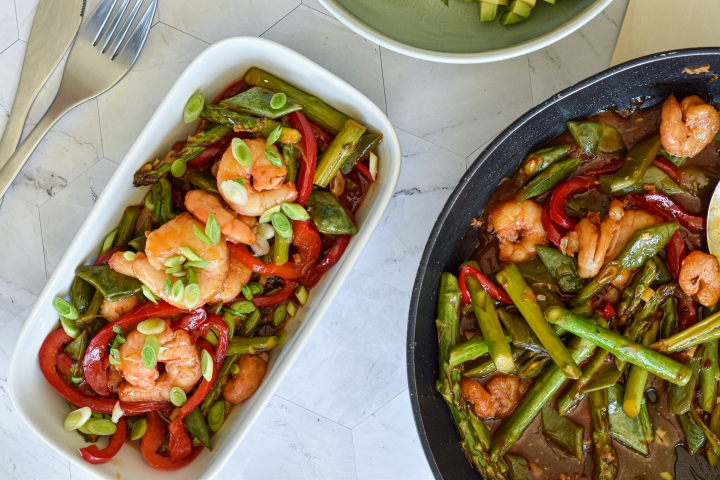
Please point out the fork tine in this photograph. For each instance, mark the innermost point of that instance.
(118, 40)
(98, 18)
(110, 32)
(131, 49)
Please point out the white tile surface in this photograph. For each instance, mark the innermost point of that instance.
(344, 411)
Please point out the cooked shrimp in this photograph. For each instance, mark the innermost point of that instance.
(247, 381)
(113, 310)
(700, 278)
(499, 397)
(238, 275)
(518, 228)
(202, 205)
(164, 243)
(485, 405)
(177, 352)
(592, 238)
(266, 189)
(689, 126)
(631, 221)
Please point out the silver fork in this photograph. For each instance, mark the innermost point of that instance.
(100, 57)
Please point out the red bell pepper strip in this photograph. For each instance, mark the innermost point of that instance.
(633, 200)
(687, 314)
(192, 321)
(365, 171)
(667, 167)
(606, 168)
(307, 241)
(308, 151)
(495, 292)
(313, 276)
(94, 455)
(235, 88)
(65, 364)
(52, 346)
(105, 257)
(561, 195)
(675, 253)
(320, 133)
(607, 311)
(278, 297)
(95, 373)
(554, 231)
(154, 436)
(692, 222)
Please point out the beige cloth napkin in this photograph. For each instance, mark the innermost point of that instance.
(653, 26)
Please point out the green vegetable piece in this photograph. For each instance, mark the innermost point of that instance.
(652, 176)
(713, 456)
(150, 351)
(694, 436)
(677, 161)
(638, 160)
(70, 327)
(279, 315)
(509, 18)
(518, 468)
(114, 286)
(242, 346)
(597, 138)
(702, 332)
(216, 391)
(365, 145)
(193, 107)
(81, 293)
(178, 396)
(487, 12)
(489, 324)
(530, 364)
(290, 155)
(89, 315)
(626, 430)
(162, 193)
(109, 241)
(637, 378)
(562, 267)
(278, 100)
(669, 318)
(249, 325)
(537, 275)
(216, 416)
(138, 243)
(482, 434)
(227, 120)
(708, 376)
(197, 428)
(100, 426)
(487, 366)
(609, 377)
(139, 429)
(562, 431)
(646, 422)
(202, 179)
(663, 274)
(681, 397)
(605, 460)
(712, 439)
(126, 229)
(64, 308)
(76, 348)
(329, 216)
(576, 392)
(257, 101)
(520, 332)
(539, 160)
(337, 152)
(548, 179)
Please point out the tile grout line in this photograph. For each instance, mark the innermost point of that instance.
(435, 144)
(315, 413)
(17, 21)
(181, 31)
(532, 90)
(319, 11)
(42, 242)
(8, 47)
(283, 18)
(102, 141)
(382, 75)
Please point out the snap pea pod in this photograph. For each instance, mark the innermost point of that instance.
(367, 144)
(338, 151)
(597, 138)
(518, 468)
(562, 431)
(631, 297)
(138, 243)
(563, 268)
(76, 348)
(487, 366)
(471, 349)
(712, 456)
(708, 371)
(197, 428)
(544, 388)
(202, 179)
(646, 421)
(605, 462)
(81, 293)
(314, 109)
(575, 393)
(536, 274)
(490, 327)
(538, 161)
(520, 332)
(669, 318)
(710, 436)
(641, 246)
(694, 436)
(532, 366)
(524, 299)
(162, 194)
(329, 216)
(637, 162)
(652, 176)
(252, 345)
(257, 101)
(626, 430)
(86, 319)
(549, 179)
(677, 161)
(682, 396)
(114, 286)
(664, 275)
(290, 155)
(609, 377)
(637, 378)
(217, 389)
(620, 346)
(126, 229)
(702, 332)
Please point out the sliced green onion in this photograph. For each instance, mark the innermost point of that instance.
(230, 321)
(96, 415)
(129, 256)
(138, 429)
(201, 235)
(149, 201)
(256, 288)
(212, 230)
(192, 295)
(64, 308)
(190, 254)
(149, 294)
(77, 418)
(373, 165)
(247, 292)
(174, 261)
(178, 289)
(177, 169)
(190, 278)
(207, 365)
(279, 315)
(97, 426)
(168, 286)
(243, 306)
(114, 357)
(216, 416)
(301, 294)
(278, 100)
(281, 337)
(291, 309)
(274, 135)
(261, 246)
(171, 270)
(241, 152)
(70, 327)
(117, 412)
(201, 264)
(150, 351)
(117, 329)
(109, 241)
(273, 157)
(266, 230)
(295, 211)
(193, 107)
(177, 396)
(234, 369)
(120, 338)
(267, 215)
(234, 192)
(212, 338)
(282, 225)
(152, 326)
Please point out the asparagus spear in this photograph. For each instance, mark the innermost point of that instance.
(490, 327)
(487, 367)
(637, 378)
(231, 118)
(524, 298)
(337, 152)
(620, 346)
(448, 325)
(313, 108)
(632, 295)
(669, 318)
(708, 371)
(604, 456)
(714, 458)
(694, 436)
(682, 396)
(702, 332)
(474, 348)
(575, 393)
(546, 385)
(241, 346)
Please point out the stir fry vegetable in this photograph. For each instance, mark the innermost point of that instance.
(176, 320)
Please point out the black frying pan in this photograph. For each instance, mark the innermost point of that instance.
(645, 80)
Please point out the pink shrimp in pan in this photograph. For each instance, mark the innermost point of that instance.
(202, 204)
(518, 228)
(689, 126)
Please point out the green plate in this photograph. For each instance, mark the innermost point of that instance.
(430, 30)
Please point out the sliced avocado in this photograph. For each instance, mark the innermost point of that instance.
(488, 11)
(508, 18)
(519, 7)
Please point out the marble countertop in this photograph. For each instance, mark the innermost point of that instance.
(344, 409)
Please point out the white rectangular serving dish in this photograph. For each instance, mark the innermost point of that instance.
(41, 407)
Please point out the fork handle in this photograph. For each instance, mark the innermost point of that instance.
(63, 103)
